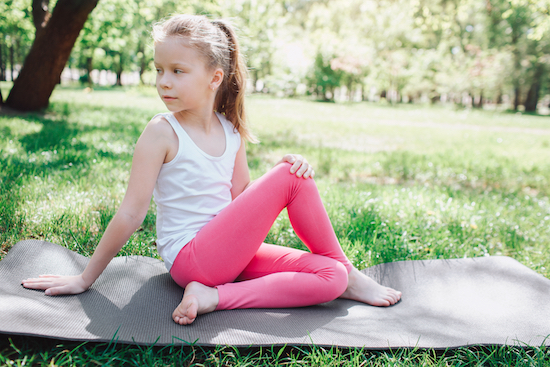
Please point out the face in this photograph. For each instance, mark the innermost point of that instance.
(183, 80)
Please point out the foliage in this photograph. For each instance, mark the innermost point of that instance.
(400, 183)
(17, 34)
(469, 52)
(324, 78)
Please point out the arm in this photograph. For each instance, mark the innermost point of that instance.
(150, 152)
(241, 175)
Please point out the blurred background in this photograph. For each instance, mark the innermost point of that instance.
(471, 53)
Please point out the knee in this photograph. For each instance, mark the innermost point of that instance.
(282, 173)
(337, 282)
(340, 279)
(282, 169)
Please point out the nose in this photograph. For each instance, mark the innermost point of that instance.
(163, 81)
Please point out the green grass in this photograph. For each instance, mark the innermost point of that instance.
(54, 353)
(399, 183)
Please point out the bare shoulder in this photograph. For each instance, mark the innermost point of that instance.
(159, 127)
(159, 136)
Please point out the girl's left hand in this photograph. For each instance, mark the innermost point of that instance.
(300, 165)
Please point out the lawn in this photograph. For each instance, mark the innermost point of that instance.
(399, 182)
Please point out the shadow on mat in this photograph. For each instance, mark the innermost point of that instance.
(148, 316)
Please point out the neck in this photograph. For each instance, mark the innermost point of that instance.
(201, 119)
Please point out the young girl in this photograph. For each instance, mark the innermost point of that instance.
(211, 220)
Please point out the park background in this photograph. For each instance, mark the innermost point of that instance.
(426, 122)
(467, 52)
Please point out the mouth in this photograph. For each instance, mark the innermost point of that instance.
(168, 98)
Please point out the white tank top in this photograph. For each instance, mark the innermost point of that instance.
(192, 188)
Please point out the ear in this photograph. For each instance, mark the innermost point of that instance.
(217, 79)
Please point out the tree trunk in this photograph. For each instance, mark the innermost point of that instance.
(479, 103)
(533, 94)
(12, 63)
(532, 97)
(89, 68)
(40, 15)
(517, 66)
(119, 77)
(119, 69)
(142, 64)
(48, 55)
(516, 96)
(142, 67)
(2, 63)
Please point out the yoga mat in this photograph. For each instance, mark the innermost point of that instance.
(445, 304)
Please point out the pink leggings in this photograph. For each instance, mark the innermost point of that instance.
(228, 252)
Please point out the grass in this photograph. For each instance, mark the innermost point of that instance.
(51, 353)
(400, 183)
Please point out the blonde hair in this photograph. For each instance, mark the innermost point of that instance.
(217, 43)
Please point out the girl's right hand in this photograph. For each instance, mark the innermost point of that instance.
(55, 285)
(300, 165)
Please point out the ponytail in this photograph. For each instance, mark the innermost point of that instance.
(230, 97)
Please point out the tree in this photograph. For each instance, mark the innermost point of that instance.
(324, 78)
(56, 34)
(17, 33)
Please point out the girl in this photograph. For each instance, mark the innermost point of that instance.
(211, 220)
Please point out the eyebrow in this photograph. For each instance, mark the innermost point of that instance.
(172, 65)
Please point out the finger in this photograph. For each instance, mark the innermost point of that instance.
(297, 164)
(309, 173)
(41, 277)
(42, 282)
(54, 291)
(302, 170)
(295, 168)
(63, 289)
(36, 284)
(290, 158)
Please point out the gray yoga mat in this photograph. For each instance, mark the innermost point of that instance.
(445, 304)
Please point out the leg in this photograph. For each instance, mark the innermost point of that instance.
(269, 263)
(225, 246)
(222, 250)
(276, 277)
(284, 277)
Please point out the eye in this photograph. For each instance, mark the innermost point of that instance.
(159, 70)
(178, 71)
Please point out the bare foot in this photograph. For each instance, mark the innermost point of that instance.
(197, 299)
(364, 289)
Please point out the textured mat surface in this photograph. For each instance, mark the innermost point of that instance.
(446, 303)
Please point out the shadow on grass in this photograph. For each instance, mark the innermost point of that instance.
(53, 148)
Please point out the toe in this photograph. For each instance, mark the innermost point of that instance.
(396, 296)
